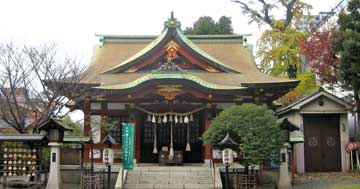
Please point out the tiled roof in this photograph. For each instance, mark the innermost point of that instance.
(233, 54)
(21, 137)
(221, 51)
(311, 95)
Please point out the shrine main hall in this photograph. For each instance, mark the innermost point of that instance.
(170, 87)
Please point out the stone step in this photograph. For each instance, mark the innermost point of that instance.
(71, 186)
(138, 186)
(198, 186)
(172, 168)
(168, 186)
(170, 177)
(192, 181)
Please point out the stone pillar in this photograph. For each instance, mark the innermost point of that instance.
(284, 179)
(54, 181)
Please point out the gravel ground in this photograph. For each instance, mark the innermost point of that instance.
(328, 181)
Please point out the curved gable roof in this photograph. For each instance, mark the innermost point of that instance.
(170, 33)
(311, 97)
(220, 51)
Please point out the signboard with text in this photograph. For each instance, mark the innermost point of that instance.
(128, 146)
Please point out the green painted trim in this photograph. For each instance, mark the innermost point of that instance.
(152, 37)
(140, 53)
(229, 36)
(76, 139)
(185, 76)
(296, 139)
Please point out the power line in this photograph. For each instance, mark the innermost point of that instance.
(331, 13)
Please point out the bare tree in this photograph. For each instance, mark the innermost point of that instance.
(264, 11)
(34, 83)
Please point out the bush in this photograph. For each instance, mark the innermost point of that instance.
(253, 127)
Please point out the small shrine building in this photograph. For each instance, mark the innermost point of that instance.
(170, 86)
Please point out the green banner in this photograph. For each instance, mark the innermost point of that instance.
(128, 146)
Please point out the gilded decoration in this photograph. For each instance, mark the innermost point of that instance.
(100, 97)
(171, 48)
(211, 69)
(132, 105)
(169, 88)
(169, 92)
(238, 98)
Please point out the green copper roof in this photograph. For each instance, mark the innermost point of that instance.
(76, 139)
(228, 38)
(142, 52)
(179, 75)
(296, 139)
(172, 29)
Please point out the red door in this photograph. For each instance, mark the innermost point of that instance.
(322, 143)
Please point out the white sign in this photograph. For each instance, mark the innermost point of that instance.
(96, 153)
(108, 156)
(228, 156)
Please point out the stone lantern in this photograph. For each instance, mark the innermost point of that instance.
(227, 145)
(54, 131)
(286, 127)
(108, 155)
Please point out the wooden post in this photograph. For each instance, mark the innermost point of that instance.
(292, 165)
(133, 116)
(92, 155)
(260, 175)
(207, 146)
(207, 124)
(109, 176)
(81, 165)
(227, 176)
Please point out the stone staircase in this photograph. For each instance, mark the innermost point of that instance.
(169, 177)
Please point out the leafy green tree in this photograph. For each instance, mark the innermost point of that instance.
(253, 127)
(307, 85)
(279, 51)
(206, 25)
(279, 46)
(224, 25)
(75, 126)
(348, 44)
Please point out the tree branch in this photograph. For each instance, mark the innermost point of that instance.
(254, 13)
(26, 71)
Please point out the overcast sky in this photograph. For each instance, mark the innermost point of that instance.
(72, 23)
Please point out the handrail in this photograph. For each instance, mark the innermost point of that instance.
(212, 164)
(120, 181)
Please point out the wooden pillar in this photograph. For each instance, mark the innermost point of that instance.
(207, 125)
(86, 110)
(87, 129)
(134, 118)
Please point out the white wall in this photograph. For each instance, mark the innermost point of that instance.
(313, 107)
(344, 138)
(296, 118)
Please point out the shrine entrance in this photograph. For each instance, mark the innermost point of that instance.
(322, 143)
(156, 133)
